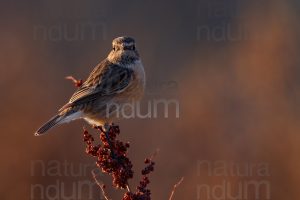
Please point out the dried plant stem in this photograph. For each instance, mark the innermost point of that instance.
(154, 154)
(112, 159)
(174, 188)
(101, 186)
(76, 82)
(128, 188)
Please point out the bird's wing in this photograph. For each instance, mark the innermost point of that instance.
(106, 79)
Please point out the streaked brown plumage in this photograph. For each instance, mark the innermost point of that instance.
(118, 79)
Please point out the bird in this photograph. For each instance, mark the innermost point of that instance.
(117, 80)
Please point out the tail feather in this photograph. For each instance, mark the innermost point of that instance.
(51, 123)
(63, 117)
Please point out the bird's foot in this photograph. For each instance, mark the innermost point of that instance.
(103, 128)
(106, 127)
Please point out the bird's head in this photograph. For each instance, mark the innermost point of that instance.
(123, 50)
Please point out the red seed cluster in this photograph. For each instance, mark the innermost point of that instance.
(149, 168)
(78, 83)
(111, 155)
(112, 159)
(90, 149)
(142, 192)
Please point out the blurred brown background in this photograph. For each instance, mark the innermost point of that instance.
(235, 66)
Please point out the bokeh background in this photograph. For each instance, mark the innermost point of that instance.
(233, 66)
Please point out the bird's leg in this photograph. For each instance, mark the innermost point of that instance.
(106, 127)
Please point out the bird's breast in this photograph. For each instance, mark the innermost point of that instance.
(135, 89)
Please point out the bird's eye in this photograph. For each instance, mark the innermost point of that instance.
(114, 48)
(133, 47)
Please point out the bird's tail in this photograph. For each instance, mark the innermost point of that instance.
(63, 117)
(50, 124)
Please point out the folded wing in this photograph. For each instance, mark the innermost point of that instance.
(106, 79)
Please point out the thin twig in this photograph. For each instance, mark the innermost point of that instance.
(76, 82)
(174, 188)
(71, 78)
(101, 186)
(128, 187)
(154, 154)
